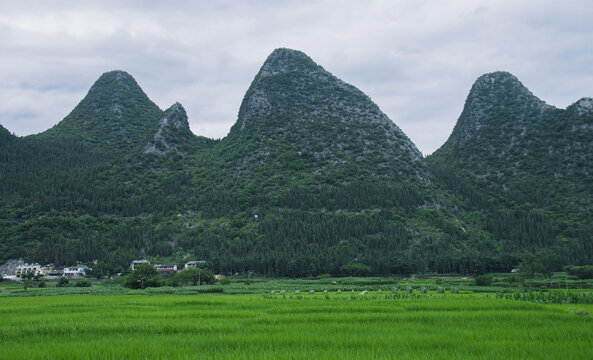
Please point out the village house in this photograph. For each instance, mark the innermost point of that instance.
(138, 262)
(56, 272)
(195, 264)
(47, 269)
(165, 268)
(78, 271)
(25, 269)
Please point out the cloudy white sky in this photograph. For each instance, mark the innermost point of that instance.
(416, 59)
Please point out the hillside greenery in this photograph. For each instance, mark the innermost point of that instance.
(312, 179)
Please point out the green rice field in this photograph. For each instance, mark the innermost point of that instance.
(292, 326)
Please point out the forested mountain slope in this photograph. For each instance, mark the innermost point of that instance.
(528, 165)
(312, 178)
(115, 116)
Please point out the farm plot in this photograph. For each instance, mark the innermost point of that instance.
(339, 326)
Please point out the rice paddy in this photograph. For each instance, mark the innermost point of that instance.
(292, 326)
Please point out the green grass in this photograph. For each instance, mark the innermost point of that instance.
(471, 326)
(261, 285)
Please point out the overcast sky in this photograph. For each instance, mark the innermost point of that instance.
(416, 59)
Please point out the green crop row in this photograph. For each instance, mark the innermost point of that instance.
(258, 327)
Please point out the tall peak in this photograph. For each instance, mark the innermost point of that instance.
(119, 75)
(284, 60)
(115, 112)
(583, 107)
(116, 80)
(500, 77)
(498, 113)
(175, 116)
(172, 134)
(293, 102)
(501, 87)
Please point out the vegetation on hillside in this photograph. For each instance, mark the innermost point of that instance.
(312, 179)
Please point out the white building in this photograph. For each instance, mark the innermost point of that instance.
(194, 264)
(165, 268)
(138, 262)
(24, 269)
(78, 271)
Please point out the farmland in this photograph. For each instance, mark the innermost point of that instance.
(293, 325)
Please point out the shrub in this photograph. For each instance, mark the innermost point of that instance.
(582, 272)
(483, 280)
(83, 283)
(355, 269)
(225, 281)
(27, 283)
(173, 281)
(41, 284)
(63, 282)
(195, 276)
(144, 276)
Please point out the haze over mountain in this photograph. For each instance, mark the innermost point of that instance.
(312, 178)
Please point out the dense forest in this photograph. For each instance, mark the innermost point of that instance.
(313, 178)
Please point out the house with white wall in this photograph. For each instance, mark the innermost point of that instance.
(195, 264)
(78, 271)
(32, 269)
(138, 262)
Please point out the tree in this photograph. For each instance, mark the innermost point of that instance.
(83, 283)
(582, 272)
(63, 282)
(28, 275)
(195, 276)
(28, 283)
(541, 263)
(483, 280)
(101, 270)
(354, 269)
(145, 275)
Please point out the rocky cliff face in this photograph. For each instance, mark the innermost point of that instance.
(9, 267)
(173, 130)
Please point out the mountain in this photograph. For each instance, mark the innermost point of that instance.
(520, 147)
(312, 178)
(4, 133)
(295, 106)
(305, 139)
(526, 163)
(312, 171)
(174, 135)
(114, 116)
